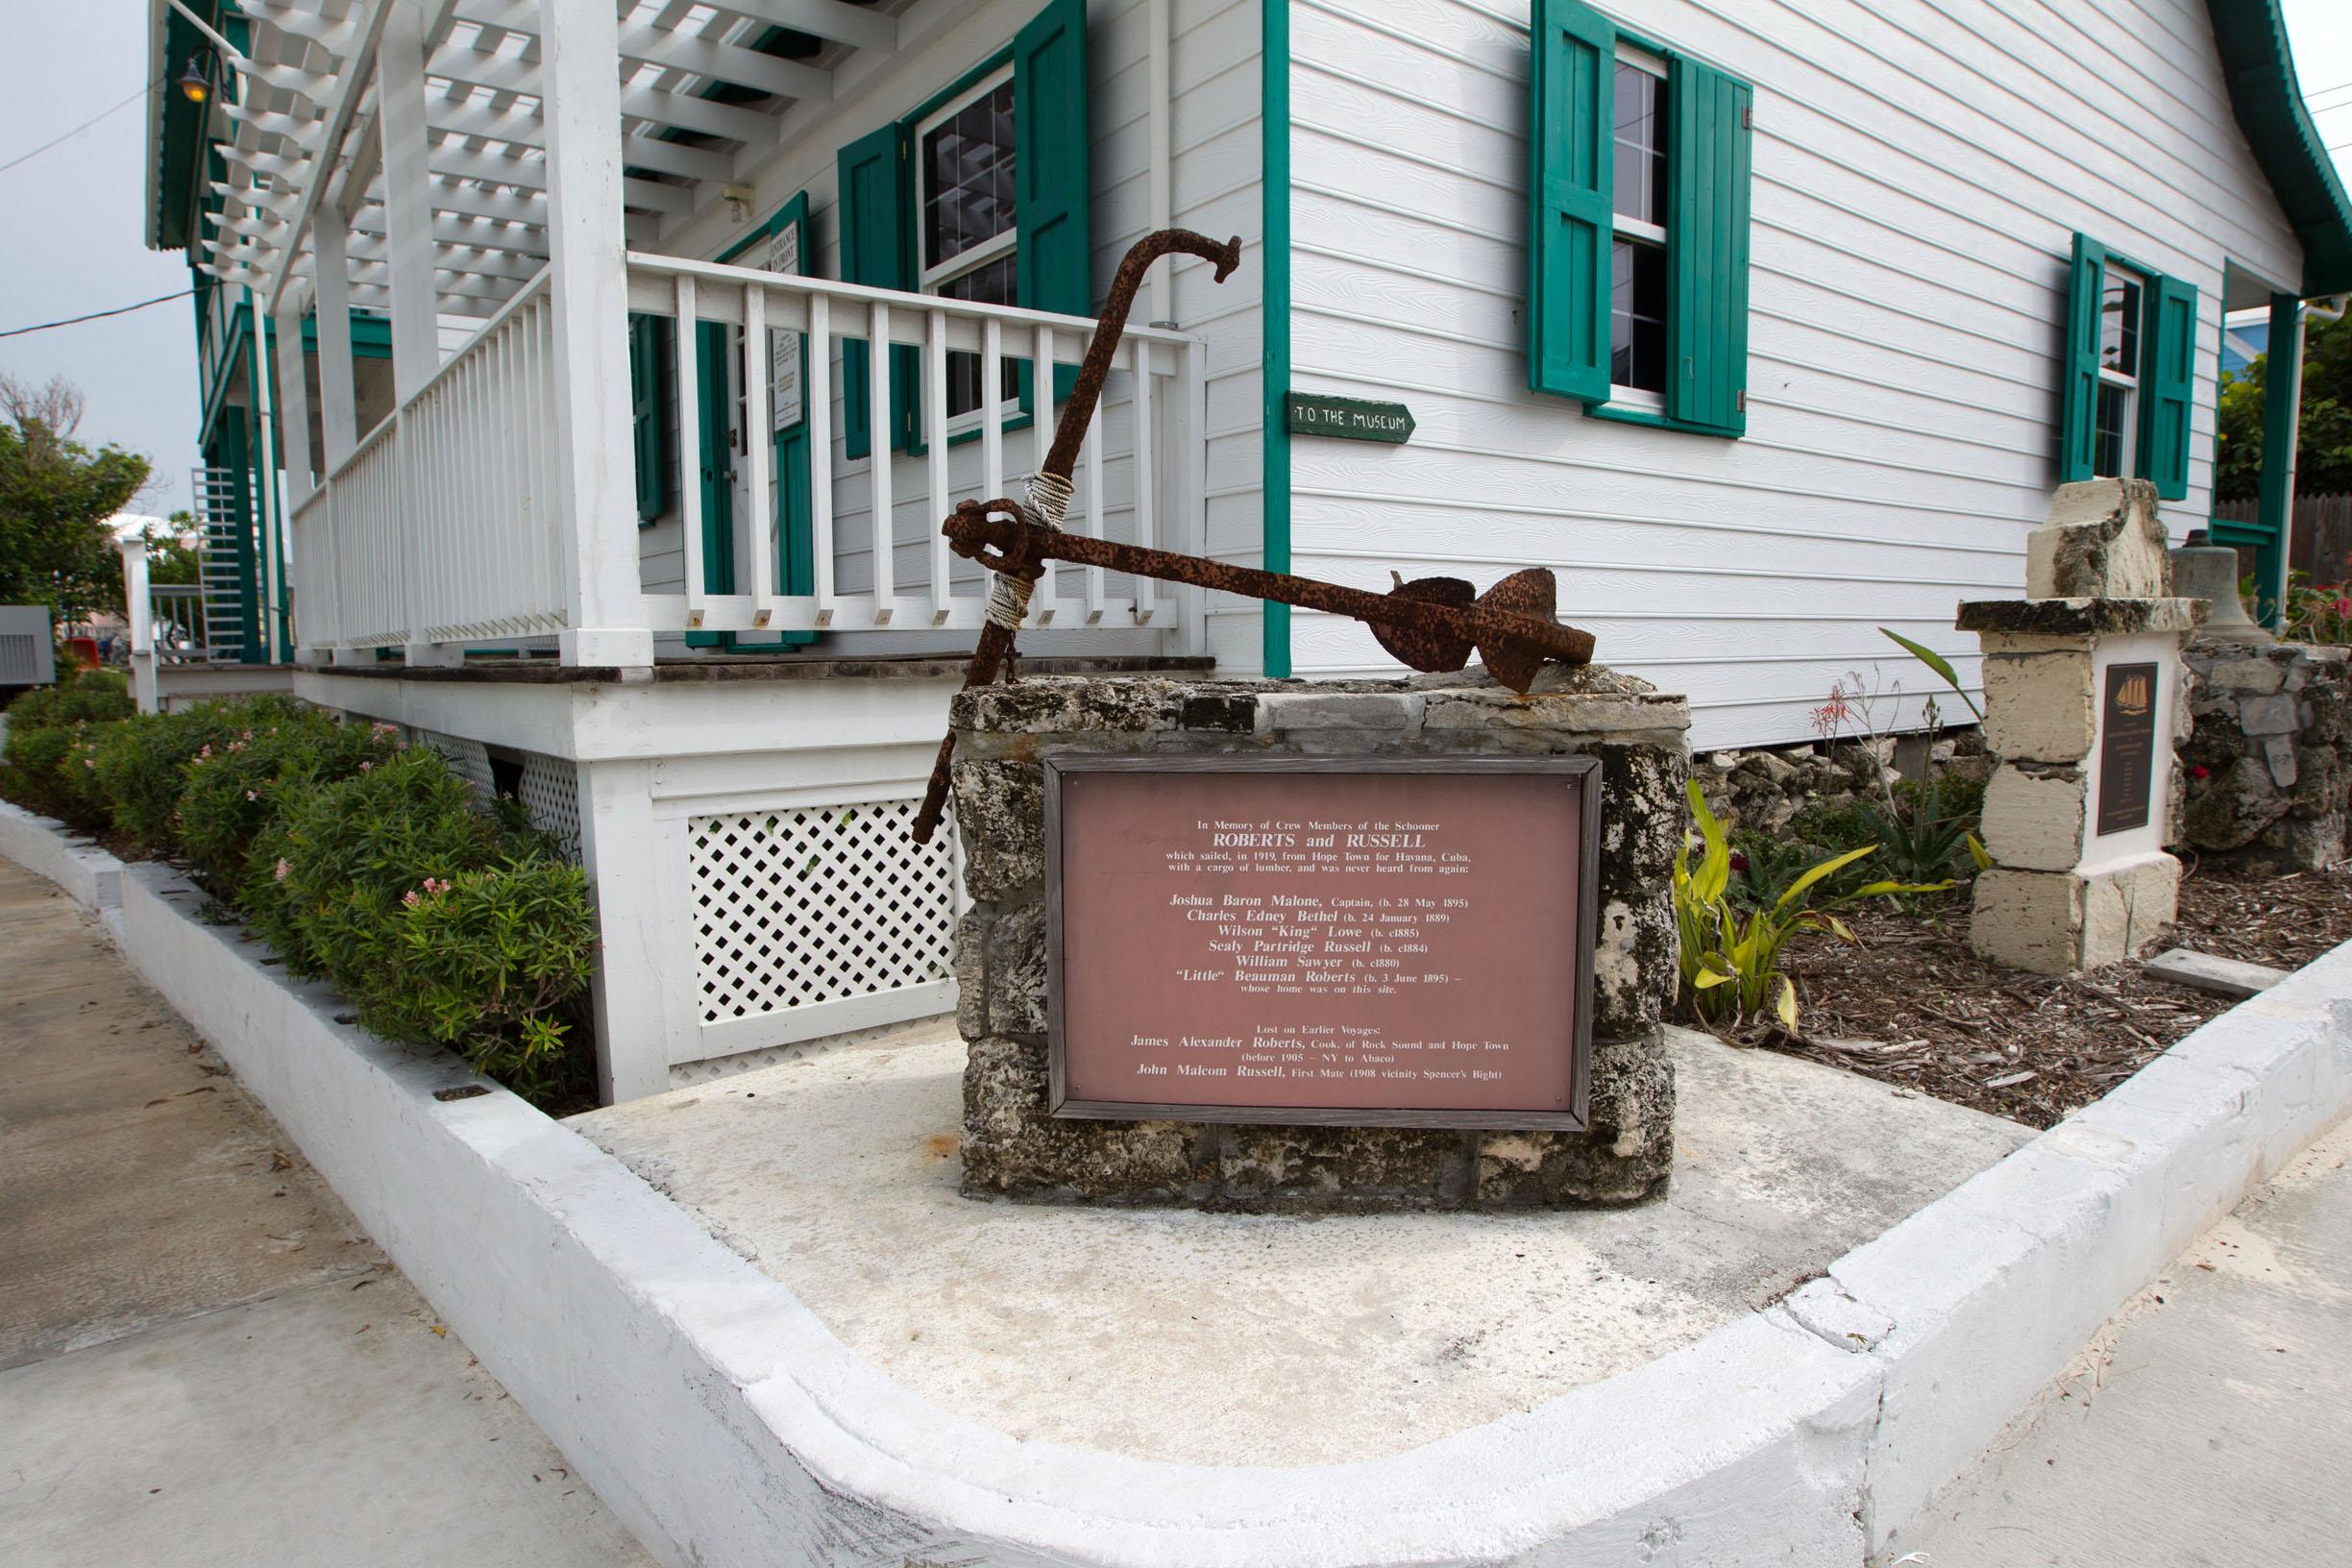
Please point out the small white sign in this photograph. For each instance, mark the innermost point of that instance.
(784, 395)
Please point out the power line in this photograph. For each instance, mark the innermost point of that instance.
(94, 315)
(65, 135)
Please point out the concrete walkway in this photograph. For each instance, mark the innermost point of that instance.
(202, 1360)
(2210, 1424)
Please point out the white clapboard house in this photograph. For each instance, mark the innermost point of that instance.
(1763, 323)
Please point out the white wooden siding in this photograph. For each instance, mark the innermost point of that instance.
(1921, 167)
(1215, 90)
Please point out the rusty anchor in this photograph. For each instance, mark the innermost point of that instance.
(1428, 623)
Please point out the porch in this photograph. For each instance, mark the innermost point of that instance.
(647, 542)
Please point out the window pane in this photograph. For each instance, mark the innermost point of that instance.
(1637, 315)
(2107, 437)
(1641, 145)
(990, 284)
(2120, 324)
(967, 177)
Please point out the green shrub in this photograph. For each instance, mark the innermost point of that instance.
(487, 963)
(326, 874)
(140, 762)
(44, 727)
(227, 797)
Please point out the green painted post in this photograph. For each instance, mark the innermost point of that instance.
(2282, 402)
(1274, 658)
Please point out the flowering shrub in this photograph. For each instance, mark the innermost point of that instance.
(47, 729)
(141, 761)
(230, 792)
(362, 863)
(2318, 612)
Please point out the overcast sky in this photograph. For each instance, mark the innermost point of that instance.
(75, 239)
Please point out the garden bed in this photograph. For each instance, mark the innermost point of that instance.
(1910, 1004)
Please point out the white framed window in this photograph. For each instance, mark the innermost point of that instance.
(2116, 421)
(1637, 249)
(966, 232)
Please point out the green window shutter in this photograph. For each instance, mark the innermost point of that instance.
(1572, 75)
(649, 365)
(1706, 246)
(2078, 433)
(1054, 255)
(876, 213)
(2167, 386)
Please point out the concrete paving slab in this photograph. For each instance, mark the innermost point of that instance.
(1290, 1340)
(137, 1180)
(2209, 1423)
(203, 1362)
(328, 1427)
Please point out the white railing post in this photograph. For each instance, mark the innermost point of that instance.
(139, 610)
(596, 491)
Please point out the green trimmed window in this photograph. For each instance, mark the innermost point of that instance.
(981, 194)
(1637, 291)
(2130, 372)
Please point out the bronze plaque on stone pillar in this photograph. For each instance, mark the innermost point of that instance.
(1376, 942)
(2128, 748)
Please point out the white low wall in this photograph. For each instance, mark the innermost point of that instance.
(91, 876)
(726, 1426)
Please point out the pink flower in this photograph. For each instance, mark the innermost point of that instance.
(87, 763)
(251, 794)
(280, 869)
(367, 767)
(410, 899)
(206, 752)
(383, 729)
(2344, 606)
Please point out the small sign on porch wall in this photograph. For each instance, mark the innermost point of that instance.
(784, 345)
(1350, 419)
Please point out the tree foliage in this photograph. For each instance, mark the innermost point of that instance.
(55, 497)
(2323, 449)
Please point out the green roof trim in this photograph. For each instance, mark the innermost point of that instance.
(2269, 101)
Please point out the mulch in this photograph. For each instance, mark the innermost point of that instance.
(1910, 1004)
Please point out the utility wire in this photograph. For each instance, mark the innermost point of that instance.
(94, 315)
(65, 136)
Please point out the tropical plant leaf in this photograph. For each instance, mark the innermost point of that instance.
(1937, 663)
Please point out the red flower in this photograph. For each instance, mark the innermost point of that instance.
(1739, 861)
(2199, 770)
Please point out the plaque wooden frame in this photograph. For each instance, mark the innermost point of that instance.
(1582, 773)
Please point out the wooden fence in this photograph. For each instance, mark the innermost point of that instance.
(2319, 540)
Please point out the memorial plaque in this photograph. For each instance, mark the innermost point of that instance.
(1376, 942)
(2128, 748)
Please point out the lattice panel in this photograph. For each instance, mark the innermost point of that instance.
(550, 792)
(818, 904)
(467, 759)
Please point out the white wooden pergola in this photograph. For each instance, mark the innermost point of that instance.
(430, 158)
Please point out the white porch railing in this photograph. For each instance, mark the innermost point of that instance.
(442, 526)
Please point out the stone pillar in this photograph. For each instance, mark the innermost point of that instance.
(2066, 893)
(1014, 1147)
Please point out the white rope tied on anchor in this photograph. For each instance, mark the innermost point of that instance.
(1007, 599)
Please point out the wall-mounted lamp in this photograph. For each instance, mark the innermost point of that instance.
(194, 85)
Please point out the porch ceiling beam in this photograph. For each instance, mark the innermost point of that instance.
(852, 25)
(515, 240)
(701, 55)
(302, 129)
(655, 106)
(507, 206)
(726, 63)
(447, 283)
(334, 36)
(379, 298)
(457, 261)
(340, 101)
(521, 127)
(530, 174)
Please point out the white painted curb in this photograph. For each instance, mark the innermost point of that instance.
(721, 1421)
(90, 876)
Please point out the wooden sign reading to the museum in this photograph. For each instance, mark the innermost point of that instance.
(2128, 748)
(1403, 943)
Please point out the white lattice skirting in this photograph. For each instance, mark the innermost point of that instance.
(812, 905)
